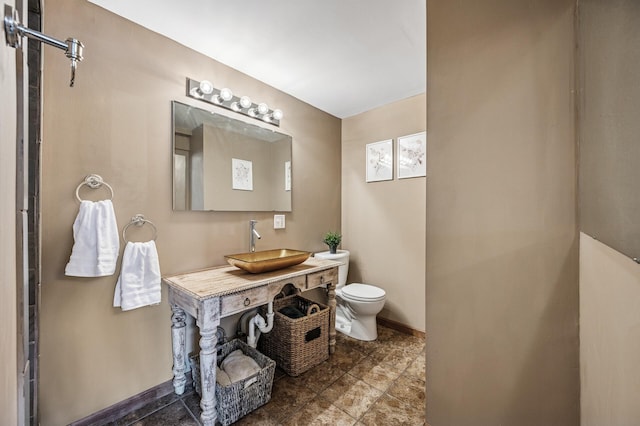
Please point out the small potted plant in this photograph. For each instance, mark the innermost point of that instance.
(332, 239)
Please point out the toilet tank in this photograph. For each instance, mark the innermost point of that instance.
(341, 256)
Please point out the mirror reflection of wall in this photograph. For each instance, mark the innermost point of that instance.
(224, 164)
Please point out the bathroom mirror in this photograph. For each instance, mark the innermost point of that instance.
(224, 164)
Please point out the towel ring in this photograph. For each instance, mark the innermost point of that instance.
(93, 182)
(139, 220)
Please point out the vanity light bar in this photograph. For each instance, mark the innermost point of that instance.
(204, 91)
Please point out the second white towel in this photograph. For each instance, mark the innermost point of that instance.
(139, 281)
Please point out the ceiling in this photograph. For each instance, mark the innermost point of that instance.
(341, 56)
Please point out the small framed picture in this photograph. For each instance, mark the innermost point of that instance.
(287, 175)
(380, 161)
(412, 155)
(242, 174)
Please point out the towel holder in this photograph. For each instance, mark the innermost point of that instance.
(139, 220)
(93, 182)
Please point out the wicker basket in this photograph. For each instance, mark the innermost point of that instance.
(239, 398)
(297, 344)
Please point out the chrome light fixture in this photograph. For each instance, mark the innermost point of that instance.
(204, 91)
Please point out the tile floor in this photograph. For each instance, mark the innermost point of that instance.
(362, 383)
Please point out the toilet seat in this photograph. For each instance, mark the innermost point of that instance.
(363, 293)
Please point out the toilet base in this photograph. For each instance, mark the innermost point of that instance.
(365, 329)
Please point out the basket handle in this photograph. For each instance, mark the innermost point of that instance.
(251, 381)
(311, 308)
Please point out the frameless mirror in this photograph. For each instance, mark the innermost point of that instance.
(224, 164)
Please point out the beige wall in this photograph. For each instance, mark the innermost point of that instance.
(8, 338)
(116, 122)
(609, 336)
(383, 223)
(502, 245)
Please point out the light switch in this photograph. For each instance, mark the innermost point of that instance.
(278, 221)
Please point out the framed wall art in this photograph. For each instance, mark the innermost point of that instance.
(287, 175)
(412, 155)
(242, 177)
(380, 161)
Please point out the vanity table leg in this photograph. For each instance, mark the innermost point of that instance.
(331, 291)
(208, 321)
(178, 335)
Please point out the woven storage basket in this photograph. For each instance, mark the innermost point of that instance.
(239, 398)
(297, 344)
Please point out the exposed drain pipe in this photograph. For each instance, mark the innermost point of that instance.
(263, 326)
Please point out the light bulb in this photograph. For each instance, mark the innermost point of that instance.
(206, 88)
(236, 106)
(245, 102)
(226, 94)
(278, 114)
(263, 108)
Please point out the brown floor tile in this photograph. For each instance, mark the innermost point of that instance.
(192, 402)
(409, 390)
(345, 358)
(410, 344)
(374, 372)
(279, 373)
(320, 412)
(259, 417)
(393, 356)
(391, 411)
(385, 333)
(321, 376)
(351, 395)
(358, 345)
(417, 368)
(287, 397)
(363, 383)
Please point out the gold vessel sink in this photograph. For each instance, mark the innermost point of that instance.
(267, 260)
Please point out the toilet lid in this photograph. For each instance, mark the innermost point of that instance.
(363, 292)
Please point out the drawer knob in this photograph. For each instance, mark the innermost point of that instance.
(247, 301)
(321, 279)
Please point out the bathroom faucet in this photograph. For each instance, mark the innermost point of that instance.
(253, 234)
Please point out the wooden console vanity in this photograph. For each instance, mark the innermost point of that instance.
(214, 293)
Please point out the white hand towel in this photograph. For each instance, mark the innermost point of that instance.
(96, 241)
(239, 366)
(139, 281)
(222, 378)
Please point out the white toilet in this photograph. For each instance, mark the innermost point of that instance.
(357, 304)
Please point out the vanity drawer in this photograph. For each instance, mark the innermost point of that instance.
(234, 303)
(324, 277)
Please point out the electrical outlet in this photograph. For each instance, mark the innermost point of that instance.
(278, 221)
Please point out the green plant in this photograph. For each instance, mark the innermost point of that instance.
(332, 239)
